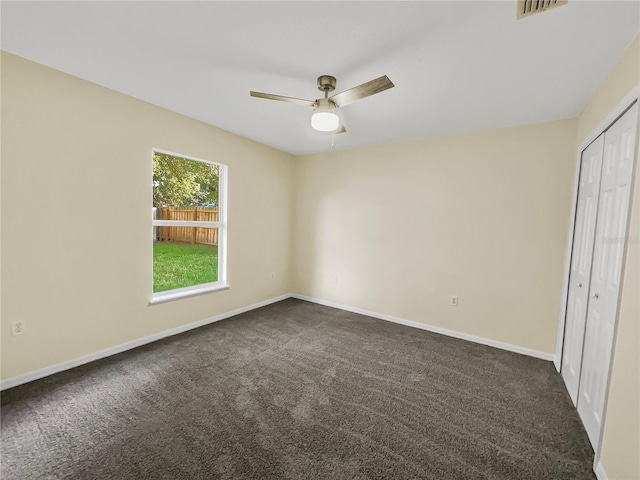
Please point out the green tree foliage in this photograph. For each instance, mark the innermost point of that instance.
(179, 182)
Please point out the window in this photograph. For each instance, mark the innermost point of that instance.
(189, 226)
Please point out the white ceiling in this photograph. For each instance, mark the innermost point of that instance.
(457, 66)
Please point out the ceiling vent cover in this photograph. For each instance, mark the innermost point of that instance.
(527, 8)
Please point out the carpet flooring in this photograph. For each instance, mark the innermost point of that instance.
(296, 390)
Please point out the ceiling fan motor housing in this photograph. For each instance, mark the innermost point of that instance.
(326, 83)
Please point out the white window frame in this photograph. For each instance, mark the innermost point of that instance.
(221, 225)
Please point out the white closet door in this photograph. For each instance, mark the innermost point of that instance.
(611, 230)
(580, 273)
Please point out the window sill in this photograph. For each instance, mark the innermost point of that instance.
(170, 295)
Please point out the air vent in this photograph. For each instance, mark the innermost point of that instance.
(530, 7)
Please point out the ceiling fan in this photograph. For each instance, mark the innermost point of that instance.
(325, 118)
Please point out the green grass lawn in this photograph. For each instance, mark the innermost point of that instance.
(177, 265)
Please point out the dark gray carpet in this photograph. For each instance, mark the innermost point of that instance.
(300, 391)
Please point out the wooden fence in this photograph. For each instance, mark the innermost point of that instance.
(199, 235)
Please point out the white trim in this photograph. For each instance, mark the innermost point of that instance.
(76, 362)
(603, 125)
(221, 225)
(123, 347)
(223, 186)
(186, 292)
(430, 328)
(600, 473)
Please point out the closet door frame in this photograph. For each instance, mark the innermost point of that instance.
(617, 112)
(616, 195)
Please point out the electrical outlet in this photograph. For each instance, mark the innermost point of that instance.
(273, 275)
(18, 327)
(453, 301)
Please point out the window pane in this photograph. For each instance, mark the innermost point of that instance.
(184, 257)
(180, 182)
(184, 190)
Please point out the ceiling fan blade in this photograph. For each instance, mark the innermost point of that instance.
(341, 129)
(362, 91)
(270, 96)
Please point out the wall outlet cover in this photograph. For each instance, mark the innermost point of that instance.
(18, 327)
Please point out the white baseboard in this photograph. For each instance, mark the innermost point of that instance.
(46, 371)
(430, 328)
(600, 473)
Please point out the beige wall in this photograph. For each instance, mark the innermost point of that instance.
(621, 440)
(76, 224)
(403, 226)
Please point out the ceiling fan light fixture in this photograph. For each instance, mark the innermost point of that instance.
(325, 121)
(325, 118)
